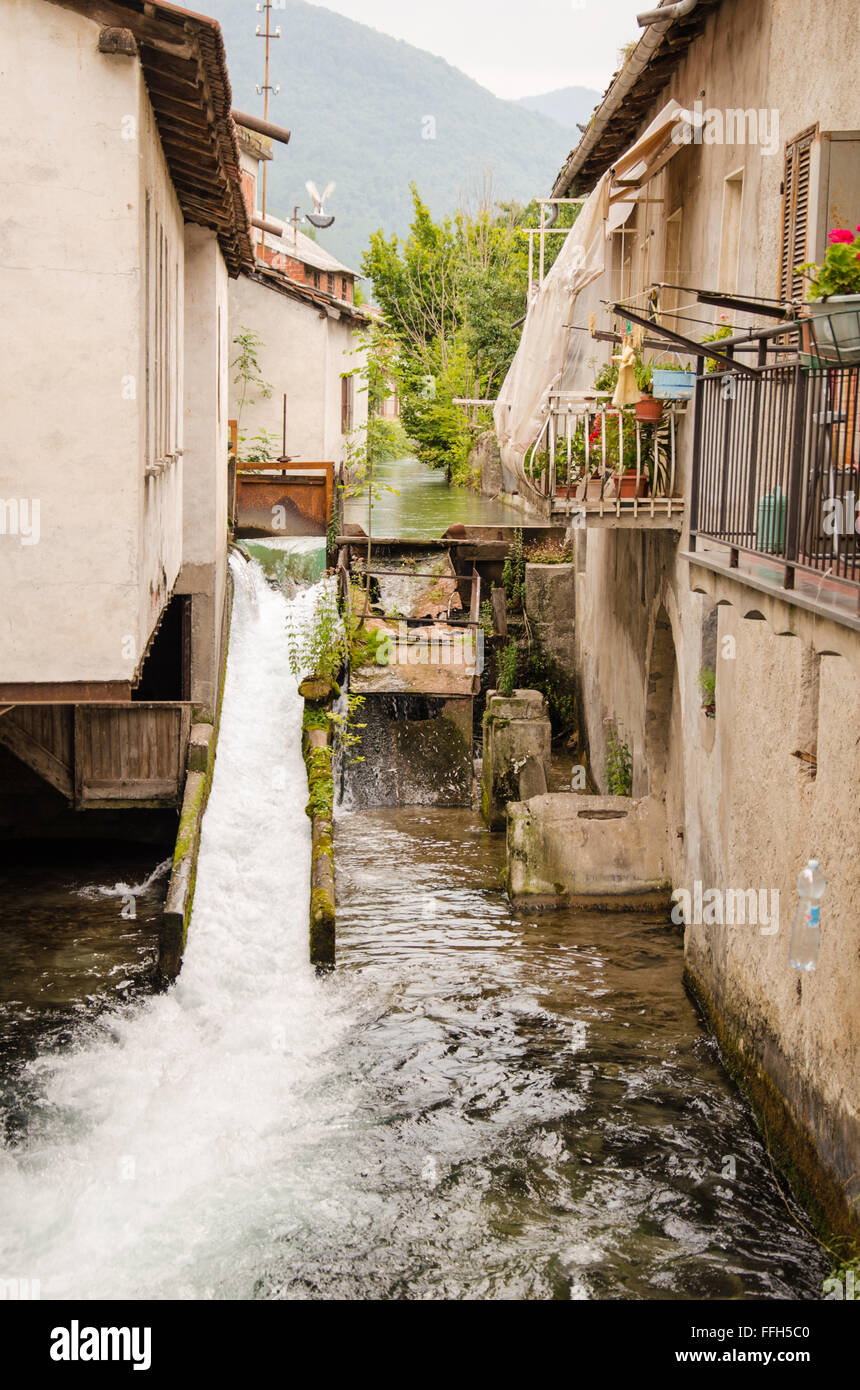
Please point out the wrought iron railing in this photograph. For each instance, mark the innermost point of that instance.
(776, 469)
(589, 451)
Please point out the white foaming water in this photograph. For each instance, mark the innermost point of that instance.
(124, 890)
(163, 1155)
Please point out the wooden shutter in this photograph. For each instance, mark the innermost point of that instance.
(346, 389)
(795, 214)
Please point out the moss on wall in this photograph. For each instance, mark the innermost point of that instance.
(789, 1142)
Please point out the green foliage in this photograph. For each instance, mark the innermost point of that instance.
(514, 572)
(508, 666)
(708, 682)
(486, 618)
(320, 782)
(316, 643)
(548, 676)
(619, 761)
(386, 440)
(346, 728)
(725, 330)
(262, 448)
(549, 552)
(453, 294)
(249, 376)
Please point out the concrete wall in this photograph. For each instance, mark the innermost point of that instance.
(305, 352)
(80, 153)
(740, 810)
(204, 544)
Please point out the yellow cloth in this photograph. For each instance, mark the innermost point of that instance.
(626, 390)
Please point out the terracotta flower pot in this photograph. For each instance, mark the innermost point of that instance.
(627, 484)
(649, 411)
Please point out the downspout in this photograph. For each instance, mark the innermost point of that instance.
(669, 12)
(656, 23)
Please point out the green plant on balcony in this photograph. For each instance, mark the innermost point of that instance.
(725, 330)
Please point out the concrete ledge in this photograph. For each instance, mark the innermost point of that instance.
(180, 890)
(318, 753)
(565, 849)
(200, 762)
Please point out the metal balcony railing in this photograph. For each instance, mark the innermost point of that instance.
(776, 472)
(601, 458)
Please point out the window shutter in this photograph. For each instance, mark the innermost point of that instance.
(795, 215)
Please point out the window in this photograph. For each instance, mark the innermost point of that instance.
(347, 396)
(330, 283)
(795, 214)
(345, 287)
(163, 341)
(730, 235)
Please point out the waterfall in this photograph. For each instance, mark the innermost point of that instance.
(164, 1144)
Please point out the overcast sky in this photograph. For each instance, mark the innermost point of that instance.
(515, 49)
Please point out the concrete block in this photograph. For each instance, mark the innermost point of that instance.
(516, 729)
(587, 851)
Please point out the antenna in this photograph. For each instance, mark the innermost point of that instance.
(268, 35)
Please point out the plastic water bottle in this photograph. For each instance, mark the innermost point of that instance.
(806, 928)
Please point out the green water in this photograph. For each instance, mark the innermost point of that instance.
(414, 502)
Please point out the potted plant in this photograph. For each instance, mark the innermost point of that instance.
(648, 410)
(672, 381)
(833, 300)
(725, 330)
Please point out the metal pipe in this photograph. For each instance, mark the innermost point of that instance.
(266, 224)
(670, 12)
(275, 132)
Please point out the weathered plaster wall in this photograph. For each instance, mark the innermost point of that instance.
(80, 604)
(204, 464)
(305, 352)
(741, 811)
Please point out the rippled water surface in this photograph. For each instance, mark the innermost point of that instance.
(414, 502)
(475, 1105)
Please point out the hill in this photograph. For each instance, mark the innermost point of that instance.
(570, 106)
(374, 113)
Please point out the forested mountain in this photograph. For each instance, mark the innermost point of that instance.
(373, 114)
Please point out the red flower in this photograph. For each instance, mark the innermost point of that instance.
(840, 234)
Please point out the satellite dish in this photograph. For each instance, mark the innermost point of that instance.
(319, 217)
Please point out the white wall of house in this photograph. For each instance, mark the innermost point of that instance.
(204, 463)
(305, 352)
(80, 154)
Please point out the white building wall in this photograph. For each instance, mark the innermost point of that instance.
(204, 463)
(78, 149)
(305, 350)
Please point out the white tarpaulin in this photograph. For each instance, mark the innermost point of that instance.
(543, 354)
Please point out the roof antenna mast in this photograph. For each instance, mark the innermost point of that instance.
(268, 34)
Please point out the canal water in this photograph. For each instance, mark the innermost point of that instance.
(476, 1104)
(413, 502)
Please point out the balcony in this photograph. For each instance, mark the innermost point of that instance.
(598, 466)
(776, 483)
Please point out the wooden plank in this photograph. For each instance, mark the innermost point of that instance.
(65, 692)
(40, 759)
(500, 613)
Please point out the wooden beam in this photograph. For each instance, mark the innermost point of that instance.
(66, 692)
(35, 756)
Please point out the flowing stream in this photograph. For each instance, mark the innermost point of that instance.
(475, 1105)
